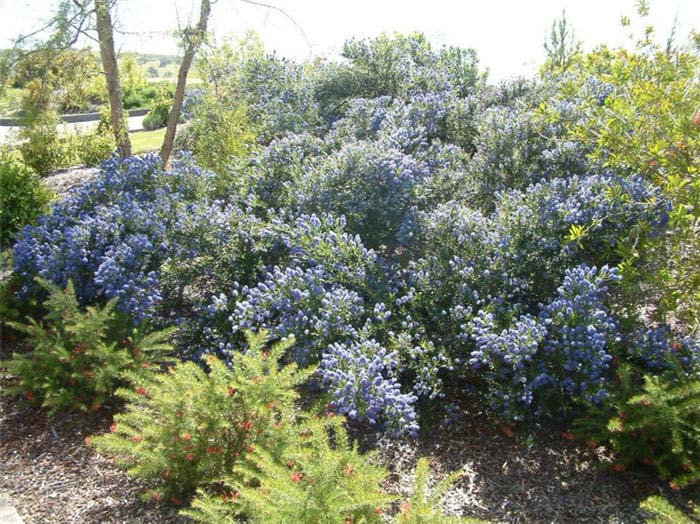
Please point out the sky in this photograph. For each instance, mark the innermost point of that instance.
(508, 35)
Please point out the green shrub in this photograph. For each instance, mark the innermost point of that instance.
(423, 508)
(42, 148)
(665, 513)
(657, 424)
(158, 115)
(93, 148)
(23, 198)
(184, 429)
(320, 478)
(76, 362)
(216, 133)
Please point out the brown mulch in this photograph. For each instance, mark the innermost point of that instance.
(539, 477)
(51, 476)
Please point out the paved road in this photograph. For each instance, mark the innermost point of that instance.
(8, 134)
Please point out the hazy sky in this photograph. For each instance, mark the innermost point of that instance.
(507, 34)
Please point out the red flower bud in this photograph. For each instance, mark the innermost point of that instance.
(297, 476)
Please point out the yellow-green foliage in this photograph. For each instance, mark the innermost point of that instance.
(79, 358)
(218, 132)
(23, 198)
(320, 478)
(423, 508)
(665, 513)
(649, 125)
(184, 429)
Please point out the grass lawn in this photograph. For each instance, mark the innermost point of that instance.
(145, 141)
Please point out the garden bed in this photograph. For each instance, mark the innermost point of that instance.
(52, 477)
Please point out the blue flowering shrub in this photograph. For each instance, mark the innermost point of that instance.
(361, 376)
(111, 236)
(423, 235)
(543, 364)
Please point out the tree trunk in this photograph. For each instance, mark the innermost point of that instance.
(193, 39)
(109, 63)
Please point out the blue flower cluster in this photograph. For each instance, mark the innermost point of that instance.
(543, 365)
(361, 377)
(656, 350)
(111, 236)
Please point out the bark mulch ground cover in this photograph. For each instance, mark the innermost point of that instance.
(539, 477)
(52, 477)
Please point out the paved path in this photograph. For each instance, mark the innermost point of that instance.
(8, 134)
(8, 515)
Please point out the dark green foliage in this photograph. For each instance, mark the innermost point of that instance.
(79, 358)
(157, 117)
(185, 429)
(657, 424)
(142, 95)
(160, 110)
(23, 198)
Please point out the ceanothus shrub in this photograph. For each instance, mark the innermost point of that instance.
(458, 266)
(370, 183)
(279, 94)
(306, 303)
(657, 350)
(539, 366)
(321, 284)
(272, 174)
(111, 236)
(362, 380)
(609, 212)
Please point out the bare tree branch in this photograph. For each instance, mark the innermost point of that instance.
(285, 14)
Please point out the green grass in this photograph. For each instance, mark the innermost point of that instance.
(145, 141)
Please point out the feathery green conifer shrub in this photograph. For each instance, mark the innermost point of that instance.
(79, 358)
(187, 428)
(320, 478)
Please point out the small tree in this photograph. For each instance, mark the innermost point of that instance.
(561, 46)
(192, 39)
